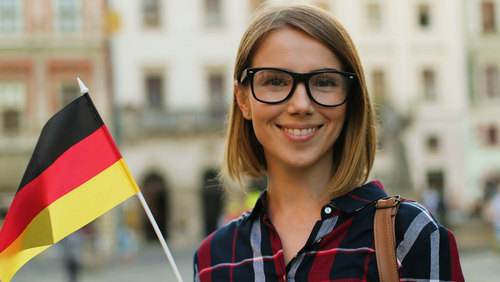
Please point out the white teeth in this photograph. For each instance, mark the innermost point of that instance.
(299, 132)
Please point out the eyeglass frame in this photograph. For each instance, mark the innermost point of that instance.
(299, 77)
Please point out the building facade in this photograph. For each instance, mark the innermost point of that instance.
(173, 83)
(414, 57)
(172, 63)
(483, 138)
(163, 83)
(44, 46)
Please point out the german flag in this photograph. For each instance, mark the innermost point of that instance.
(75, 175)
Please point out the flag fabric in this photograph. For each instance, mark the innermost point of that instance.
(75, 175)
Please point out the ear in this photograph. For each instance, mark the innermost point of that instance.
(243, 100)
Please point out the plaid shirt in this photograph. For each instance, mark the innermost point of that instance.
(340, 247)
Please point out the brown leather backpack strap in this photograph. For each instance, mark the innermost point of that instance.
(385, 238)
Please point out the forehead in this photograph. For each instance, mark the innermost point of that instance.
(294, 50)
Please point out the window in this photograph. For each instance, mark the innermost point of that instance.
(213, 12)
(432, 144)
(436, 203)
(492, 83)
(488, 13)
(378, 80)
(11, 120)
(374, 16)
(435, 180)
(12, 105)
(10, 16)
(154, 91)
(429, 84)
(67, 13)
(151, 13)
(424, 16)
(492, 135)
(489, 134)
(68, 92)
(216, 89)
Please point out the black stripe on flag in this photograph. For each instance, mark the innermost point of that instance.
(69, 126)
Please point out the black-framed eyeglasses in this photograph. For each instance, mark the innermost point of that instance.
(328, 88)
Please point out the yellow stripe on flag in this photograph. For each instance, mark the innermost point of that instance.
(72, 211)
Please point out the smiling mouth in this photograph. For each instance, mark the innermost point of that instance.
(300, 132)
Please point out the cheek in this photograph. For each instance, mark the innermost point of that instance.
(337, 115)
(337, 119)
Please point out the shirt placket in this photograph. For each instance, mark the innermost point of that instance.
(282, 271)
(277, 251)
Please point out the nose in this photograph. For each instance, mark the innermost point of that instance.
(300, 103)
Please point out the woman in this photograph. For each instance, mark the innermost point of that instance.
(301, 115)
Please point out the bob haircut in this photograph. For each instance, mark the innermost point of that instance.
(354, 150)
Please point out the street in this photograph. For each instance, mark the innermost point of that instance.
(152, 265)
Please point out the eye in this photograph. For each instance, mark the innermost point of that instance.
(272, 79)
(275, 81)
(325, 82)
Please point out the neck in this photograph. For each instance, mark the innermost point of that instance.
(297, 190)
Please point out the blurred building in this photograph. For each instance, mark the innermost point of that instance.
(173, 63)
(432, 68)
(414, 58)
(44, 46)
(483, 63)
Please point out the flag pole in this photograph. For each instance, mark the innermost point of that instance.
(160, 236)
(83, 90)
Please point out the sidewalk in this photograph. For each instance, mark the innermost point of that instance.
(151, 265)
(475, 234)
(479, 262)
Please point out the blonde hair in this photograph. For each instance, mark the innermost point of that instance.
(354, 149)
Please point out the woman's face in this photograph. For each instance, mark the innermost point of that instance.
(296, 133)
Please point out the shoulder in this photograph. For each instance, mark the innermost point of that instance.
(418, 229)
(220, 242)
(424, 247)
(412, 215)
(415, 220)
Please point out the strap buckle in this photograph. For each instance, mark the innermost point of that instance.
(386, 204)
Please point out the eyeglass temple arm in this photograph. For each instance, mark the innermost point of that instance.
(243, 75)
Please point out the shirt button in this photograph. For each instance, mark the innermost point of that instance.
(327, 211)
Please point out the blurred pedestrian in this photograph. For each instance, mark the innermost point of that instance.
(72, 247)
(127, 244)
(430, 200)
(494, 212)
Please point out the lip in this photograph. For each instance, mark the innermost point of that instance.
(307, 131)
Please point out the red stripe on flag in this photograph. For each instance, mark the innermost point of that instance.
(74, 167)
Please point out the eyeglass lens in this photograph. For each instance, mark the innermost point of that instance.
(328, 88)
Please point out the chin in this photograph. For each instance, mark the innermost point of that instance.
(300, 163)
